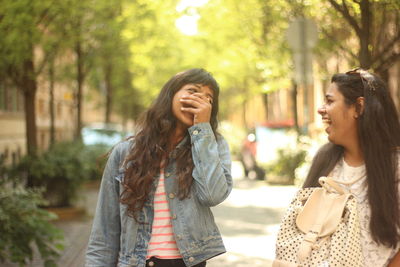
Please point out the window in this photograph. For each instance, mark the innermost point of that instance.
(10, 98)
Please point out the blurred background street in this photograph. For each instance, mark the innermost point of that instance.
(249, 221)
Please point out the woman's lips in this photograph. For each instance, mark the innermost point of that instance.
(328, 123)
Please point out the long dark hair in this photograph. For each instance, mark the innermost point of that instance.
(152, 142)
(379, 137)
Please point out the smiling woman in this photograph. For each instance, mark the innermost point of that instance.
(363, 155)
(158, 187)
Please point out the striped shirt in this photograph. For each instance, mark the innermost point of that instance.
(162, 242)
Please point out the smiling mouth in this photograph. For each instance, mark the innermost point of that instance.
(326, 121)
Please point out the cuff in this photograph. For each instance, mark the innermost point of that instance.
(199, 130)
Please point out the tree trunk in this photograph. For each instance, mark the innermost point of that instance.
(79, 79)
(384, 75)
(364, 55)
(51, 104)
(28, 81)
(295, 115)
(29, 87)
(109, 91)
(265, 101)
(244, 115)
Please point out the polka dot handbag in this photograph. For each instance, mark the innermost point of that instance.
(320, 228)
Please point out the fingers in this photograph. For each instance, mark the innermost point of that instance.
(199, 105)
(186, 103)
(197, 97)
(194, 111)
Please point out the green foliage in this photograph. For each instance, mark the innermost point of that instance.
(234, 135)
(94, 158)
(62, 169)
(155, 45)
(240, 42)
(23, 225)
(132, 47)
(25, 25)
(287, 162)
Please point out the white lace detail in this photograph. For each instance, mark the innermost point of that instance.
(374, 255)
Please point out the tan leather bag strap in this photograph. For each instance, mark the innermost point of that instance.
(328, 183)
(325, 206)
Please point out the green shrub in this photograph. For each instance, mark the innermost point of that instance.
(94, 158)
(287, 162)
(24, 225)
(62, 170)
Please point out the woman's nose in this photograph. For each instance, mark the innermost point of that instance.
(322, 110)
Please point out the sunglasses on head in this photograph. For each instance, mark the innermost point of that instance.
(366, 78)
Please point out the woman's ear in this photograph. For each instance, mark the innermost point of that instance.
(360, 104)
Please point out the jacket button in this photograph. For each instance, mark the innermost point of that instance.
(195, 132)
(179, 237)
(174, 216)
(191, 259)
(167, 174)
(171, 195)
(151, 263)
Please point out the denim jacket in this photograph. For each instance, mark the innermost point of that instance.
(118, 240)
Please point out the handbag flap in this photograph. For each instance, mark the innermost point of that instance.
(322, 212)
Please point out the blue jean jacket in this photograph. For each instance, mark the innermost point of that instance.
(118, 240)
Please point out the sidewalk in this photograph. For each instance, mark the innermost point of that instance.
(249, 221)
(76, 232)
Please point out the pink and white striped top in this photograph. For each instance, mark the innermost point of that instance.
(162, 242)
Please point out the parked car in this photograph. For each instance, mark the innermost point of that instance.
(104, 134)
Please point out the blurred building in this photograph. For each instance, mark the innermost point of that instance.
(12, 118)
(284, 107)
(12, 124)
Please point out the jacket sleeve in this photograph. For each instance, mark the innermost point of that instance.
(104, 242)
(212, 165)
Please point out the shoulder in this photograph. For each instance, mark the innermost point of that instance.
(121, 149)
(325, 149)
(221, 140)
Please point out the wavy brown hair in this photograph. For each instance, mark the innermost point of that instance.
(152, 143)
(379, 136)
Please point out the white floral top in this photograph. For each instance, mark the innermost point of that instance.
(374, 255)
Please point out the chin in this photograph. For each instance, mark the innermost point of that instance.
(333, 141)
(186, 123)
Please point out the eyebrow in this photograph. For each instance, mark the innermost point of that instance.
(328, 95)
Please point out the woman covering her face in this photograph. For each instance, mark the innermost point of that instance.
(364, 146)
(158, 187)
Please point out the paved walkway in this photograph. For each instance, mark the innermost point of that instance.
(248, 219)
